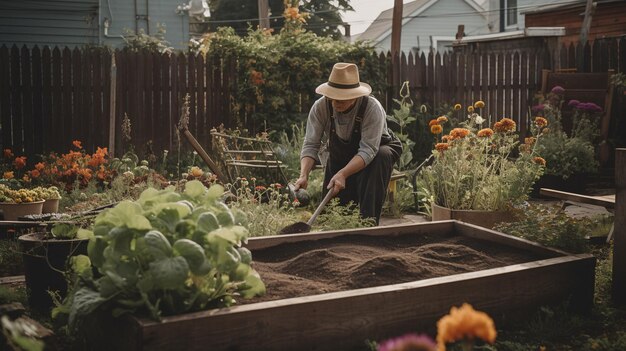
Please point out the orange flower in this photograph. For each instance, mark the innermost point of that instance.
(529, 140)
(40, 166)
(256, 77)
(433, 122)
(446, 138)
(539, 160)
(8, 175)
(442, 146)
(485, 133)
(436, 129)
(8, 153)
(196, 172)
(442, 119)
(34, 173)
(459, 133)
(504, 125)
(20, 162)
(464, 323)
(77, 144)
(541, 122)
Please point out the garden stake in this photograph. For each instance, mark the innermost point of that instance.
(301, 227)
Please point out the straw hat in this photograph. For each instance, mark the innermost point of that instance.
(343, 83)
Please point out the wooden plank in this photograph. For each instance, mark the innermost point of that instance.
(76, 93)
(138, 102)
(165, 118)
(492, 104)
(524, 103)
(500, 82)
(16, 103)
(191, 90)
(157, 100)
(56, 122)
(516, 113)
(148, 97)
(65, 130)
(484, 83)
(202, 130)
(98, 129)
(88, 119)
(622, 54)
(27, 102)
(507, 109)
(46, 105)
(37, 101)
(5, 98)
(607, 201)
(431, 78)
(461, 79)
(619, 234)
(107, 96)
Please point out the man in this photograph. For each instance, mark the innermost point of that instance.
(361, 150)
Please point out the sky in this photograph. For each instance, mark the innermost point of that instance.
(365, 12)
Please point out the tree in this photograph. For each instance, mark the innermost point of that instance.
(324, 20)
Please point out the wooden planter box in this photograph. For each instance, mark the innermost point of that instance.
(344, 320)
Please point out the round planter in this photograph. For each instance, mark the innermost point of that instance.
(485, 219)
(50, 206)
(45, 262)
(13, 211)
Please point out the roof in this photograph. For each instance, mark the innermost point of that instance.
(381, 27)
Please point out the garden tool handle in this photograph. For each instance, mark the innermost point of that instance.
(319, 209)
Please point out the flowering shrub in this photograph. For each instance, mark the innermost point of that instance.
(12, 169)
(18, 196)
(571, 150)
(76, 167)
(477, 168)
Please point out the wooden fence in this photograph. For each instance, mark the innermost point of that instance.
(49, 97)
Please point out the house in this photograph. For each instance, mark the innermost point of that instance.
(428, 24)
(608, 19)
(510, 15)
(94, 22)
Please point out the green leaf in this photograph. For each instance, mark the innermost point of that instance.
(95, 249)
(84, 234)
(85, 301)
(80, 263)
(126, 213)
(207, 222)
(169, 273)
(215, 192)
(157, 245)
(254, 286)
(64, 230)
(195, 189)
(194, 254)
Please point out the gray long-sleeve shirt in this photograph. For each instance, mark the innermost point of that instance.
(373, 127)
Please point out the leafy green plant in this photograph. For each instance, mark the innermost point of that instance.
(166, 253)
(402, 117)
(336, 216)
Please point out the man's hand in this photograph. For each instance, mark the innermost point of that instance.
(301, 183)
(337, 183)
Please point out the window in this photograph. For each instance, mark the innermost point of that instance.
(511, 12)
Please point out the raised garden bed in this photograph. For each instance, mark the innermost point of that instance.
(424, 269)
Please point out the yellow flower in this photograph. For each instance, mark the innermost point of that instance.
(436, 129)
(457, 107)
(541, 122)
(464, 323)
(479, 104)
(196, 172)
(470, 109)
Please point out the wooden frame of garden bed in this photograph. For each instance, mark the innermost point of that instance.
(344, 320)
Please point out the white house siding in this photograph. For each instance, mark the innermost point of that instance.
(440, 19)
(522, 6)
(80, 22)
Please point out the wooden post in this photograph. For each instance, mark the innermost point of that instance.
(584, 32)
(396, 28)
(619, 233)
(112, 106)
(264, 20)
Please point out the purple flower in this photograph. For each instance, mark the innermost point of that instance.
(538, 108)
(408, 342)
(558, 90)
(588, 107)
(573, 103)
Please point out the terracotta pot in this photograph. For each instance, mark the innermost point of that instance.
(13, 211)
(485, 219)
(50, 206)
(45, 262)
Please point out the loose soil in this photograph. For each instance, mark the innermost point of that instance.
(358, 261)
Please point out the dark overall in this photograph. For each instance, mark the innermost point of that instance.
(368, 187)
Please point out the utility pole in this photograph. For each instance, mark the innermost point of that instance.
(396, 27)
(264, 19)
(619, 233)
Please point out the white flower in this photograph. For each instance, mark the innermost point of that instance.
(479, 119)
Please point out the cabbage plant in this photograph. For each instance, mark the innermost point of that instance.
(166, 253)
